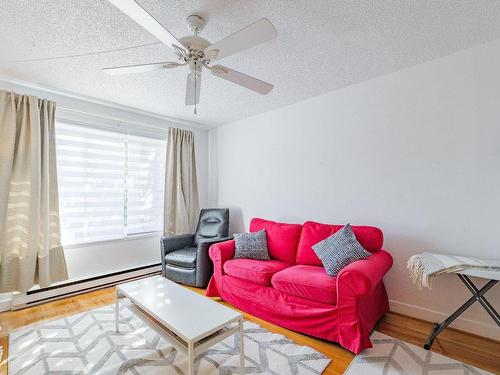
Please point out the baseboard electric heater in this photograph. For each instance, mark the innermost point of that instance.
(43, 295)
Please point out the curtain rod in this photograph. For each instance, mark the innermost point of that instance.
(111, 118)
(29, 88)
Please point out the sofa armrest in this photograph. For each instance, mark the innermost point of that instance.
(361, 299)
(362, 276)
(204, 266)
(220, 253)
(177, 242)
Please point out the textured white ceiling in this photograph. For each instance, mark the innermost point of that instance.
(321, 46)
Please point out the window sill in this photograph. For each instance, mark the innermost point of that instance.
(118, 240)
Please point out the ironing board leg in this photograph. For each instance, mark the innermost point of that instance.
(477, 295)
(482, 300)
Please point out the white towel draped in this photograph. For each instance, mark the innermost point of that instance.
(424, 266)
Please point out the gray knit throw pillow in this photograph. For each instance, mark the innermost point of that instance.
(339, 250)
(251, 245)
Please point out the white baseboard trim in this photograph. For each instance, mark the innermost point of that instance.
(472, 326)
(5, 302)
(23, 300)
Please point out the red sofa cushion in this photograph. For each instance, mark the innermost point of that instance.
(311, 282)
(253, 270)
(371, 238)
(282, 238)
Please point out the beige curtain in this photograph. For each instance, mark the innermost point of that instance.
(181, 187)
(30, 240)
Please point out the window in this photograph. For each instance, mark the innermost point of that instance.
(110, 184)
(145, 181)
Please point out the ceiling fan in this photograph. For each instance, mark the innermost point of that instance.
(197, 53)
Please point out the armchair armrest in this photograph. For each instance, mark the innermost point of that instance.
(204, 245)
(209, 242)
(171, 243)
(220, 253)
(361, 277)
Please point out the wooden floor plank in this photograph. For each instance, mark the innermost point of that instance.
(474, 350)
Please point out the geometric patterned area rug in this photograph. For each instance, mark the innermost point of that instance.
(87, 343)
(390, 356)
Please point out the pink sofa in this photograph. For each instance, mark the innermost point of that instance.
(293, 290)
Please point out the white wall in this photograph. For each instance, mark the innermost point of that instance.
(114, 256)
(416, 152)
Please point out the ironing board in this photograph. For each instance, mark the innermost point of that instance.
(477, 295)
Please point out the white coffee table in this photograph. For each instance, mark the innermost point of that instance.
(189, 321)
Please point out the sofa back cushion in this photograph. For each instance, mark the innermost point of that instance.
(371, 238)
(282, 238)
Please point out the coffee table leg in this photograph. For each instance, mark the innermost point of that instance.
(190, 358)
(117, 311)
(242, 349)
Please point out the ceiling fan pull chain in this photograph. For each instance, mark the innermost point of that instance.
(195, 88)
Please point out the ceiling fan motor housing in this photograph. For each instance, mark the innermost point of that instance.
(194, 43)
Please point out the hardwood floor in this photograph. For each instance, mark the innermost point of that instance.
(471, 349)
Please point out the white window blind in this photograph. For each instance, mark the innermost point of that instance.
(145, 175)
(110, 184)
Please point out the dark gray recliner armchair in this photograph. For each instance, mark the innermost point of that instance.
(184, 257)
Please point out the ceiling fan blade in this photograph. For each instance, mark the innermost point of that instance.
(140, 68)
(148, 22)
(242, 79)
(193, 87)
(252, 35)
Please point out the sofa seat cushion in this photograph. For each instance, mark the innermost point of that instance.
(310, 282)
(253, 270)
(185, 258)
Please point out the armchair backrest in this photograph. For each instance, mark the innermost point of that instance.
(213, 223)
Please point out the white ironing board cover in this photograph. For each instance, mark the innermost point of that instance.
(492, 275)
